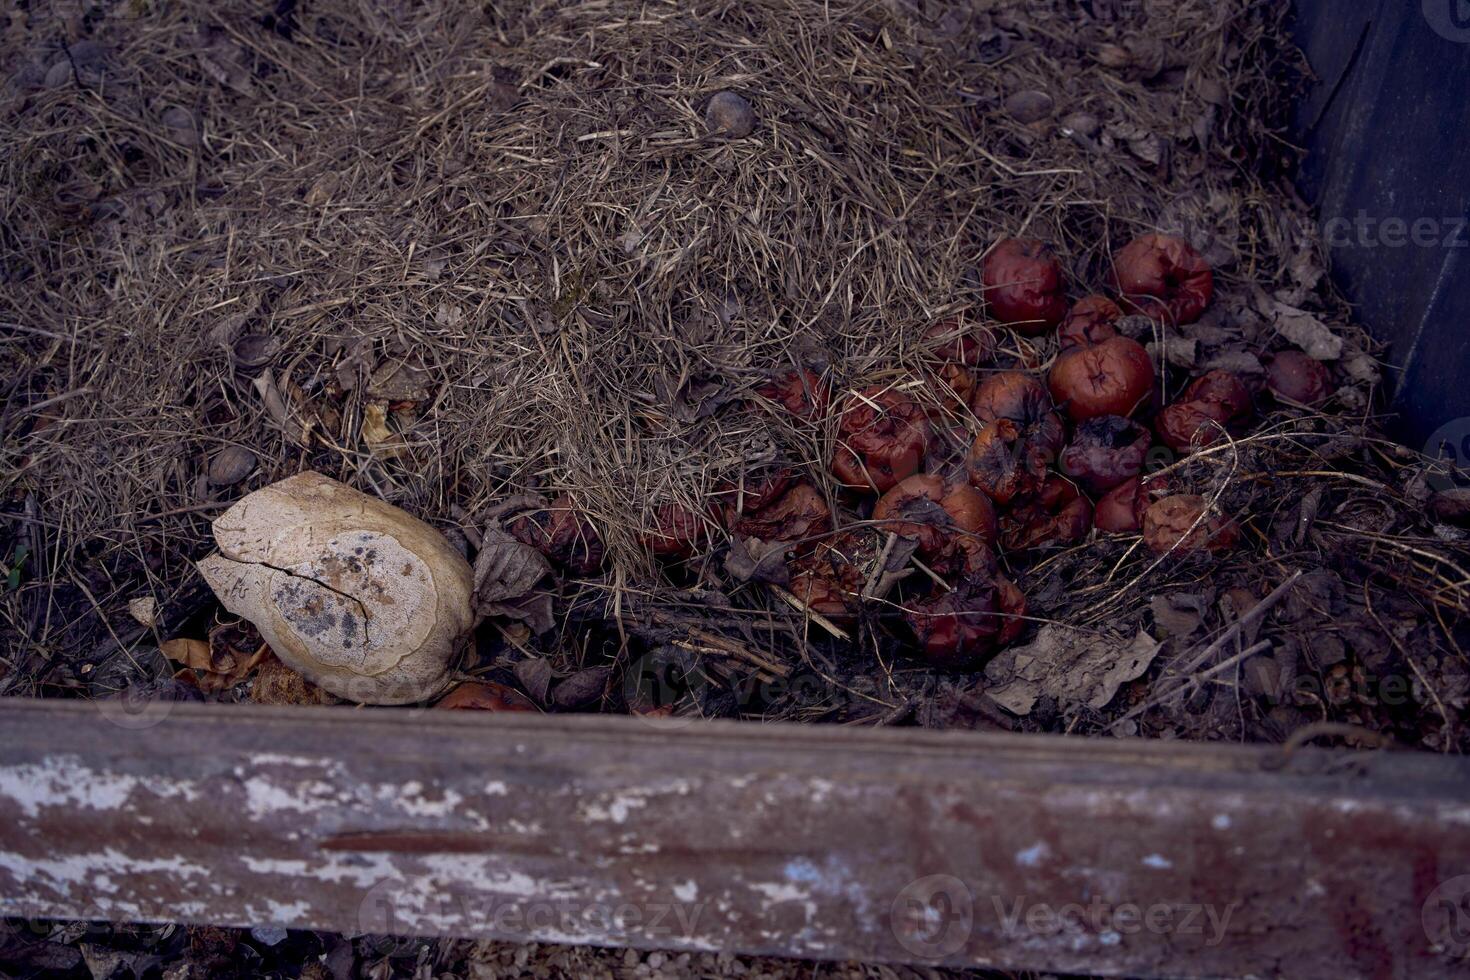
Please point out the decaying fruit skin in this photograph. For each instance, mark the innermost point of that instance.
(932, 512)
(804, 394)
(359, 597)
(1104, 452)
(1213, 405)
(1089, 321)
(485, 696)
(1225, 388)
(1004, 464)
(1302, 379)
(1022, 437)
(882, 437)
(955, 348)
(1114, 512)
(1167, 523)
(1161, 271)
(756, 491)
(1024, 286)
(1012, 395)
(799, 514)
(1056, 516)
(676, 534)
(1110, 378)
(563, 534)
(961, 628)
(830, 581)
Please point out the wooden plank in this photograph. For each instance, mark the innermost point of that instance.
(1103, 856)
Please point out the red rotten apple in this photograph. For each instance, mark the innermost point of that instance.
(1213, 405)
(955, 348)
(1161, 271)
(1024, 285)
(804, 393)
(1181, 524)
(797, 515)
(563, 534)
(485, 696)
(1105, 451)
(1089, 321)
(1022, 437)
(1114, 512)
(961, 628)
(882, 437)
(676, 532)
(932, 512)
(1110, 378)
(830, 580)
(1296, 377)
(1056, 516)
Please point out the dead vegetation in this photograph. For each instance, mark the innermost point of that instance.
(452, 255)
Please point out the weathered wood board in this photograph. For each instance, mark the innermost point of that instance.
(1102, 856)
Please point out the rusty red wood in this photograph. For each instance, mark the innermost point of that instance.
(1133, 858)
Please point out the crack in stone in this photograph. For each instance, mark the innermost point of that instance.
(361, 606)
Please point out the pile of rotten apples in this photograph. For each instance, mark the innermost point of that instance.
(1045, 450)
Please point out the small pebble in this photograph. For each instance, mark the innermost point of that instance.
(230, 465)
(730, 114)
(1030, 106)
(269, 935)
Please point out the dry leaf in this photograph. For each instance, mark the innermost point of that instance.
(376, 431)
(399, 381)
(275, 683)
(582, 688)
(190, 652)
(276, 406)
(321, 190)
(535, 677)
(1069, 666)
(144, 609)
(754, 560)
(1301, 328)
(505, 569)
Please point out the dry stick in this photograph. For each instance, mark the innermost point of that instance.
(729, 647)
(1260, 609)
(811, 613)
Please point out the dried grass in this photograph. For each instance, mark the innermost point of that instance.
(522, 200)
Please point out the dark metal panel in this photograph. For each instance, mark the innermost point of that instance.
(1110, 856)
(1387, 130)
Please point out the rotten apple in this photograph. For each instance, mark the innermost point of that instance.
(1155, 273)
(1105, 451)
(1110, 378)
(1182, 524)
(563, 534)
(882, 437)
(1024, 285)
(1089, 321)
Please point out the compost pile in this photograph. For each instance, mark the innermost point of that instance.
(844, 361)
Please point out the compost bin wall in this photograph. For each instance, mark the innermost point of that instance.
(1385, 127)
